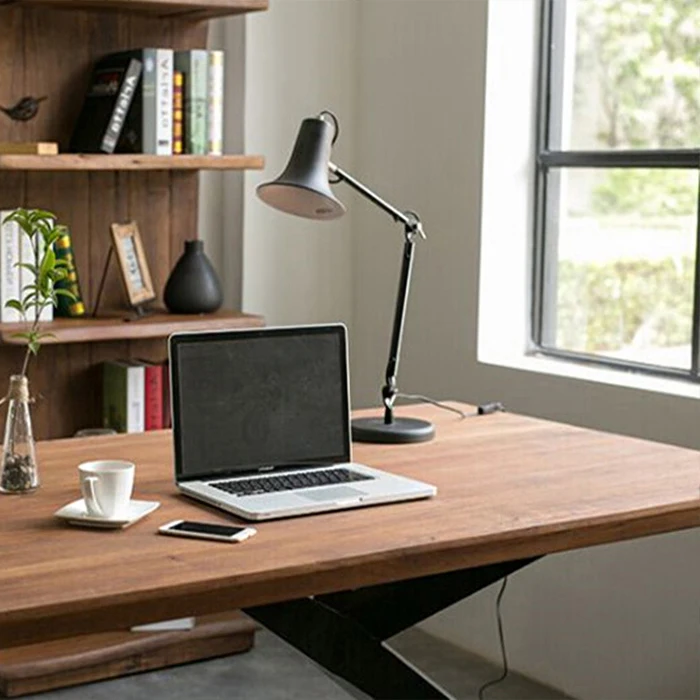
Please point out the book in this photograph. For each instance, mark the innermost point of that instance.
(123, 388)
(113, 86)
(9, 270)
(39, 148)
(194, 66)
(167, 411)
(177, 112)
(66, 307)
(148, 126)
(153, 395)
(215, 116)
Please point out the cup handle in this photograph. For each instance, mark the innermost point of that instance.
(87, 487)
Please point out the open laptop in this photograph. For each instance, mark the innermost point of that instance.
(261, 424)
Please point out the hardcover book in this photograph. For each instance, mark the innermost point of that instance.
(113, 86)
(123, 388)
(178, 118)
(153, 397)
(9, 270)
(215, 120)
(67, 307)
(194, 66)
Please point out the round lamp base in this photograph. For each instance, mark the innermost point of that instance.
(402, 430)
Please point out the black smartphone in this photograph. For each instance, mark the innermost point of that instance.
(207, 531)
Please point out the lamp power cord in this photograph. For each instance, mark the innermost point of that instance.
(501, 640)
(483, 409)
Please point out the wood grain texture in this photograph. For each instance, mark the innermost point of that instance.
(190, 10)
(87, 658)
(96, 162)
(158, 325)
(48, 51)
(508, 487)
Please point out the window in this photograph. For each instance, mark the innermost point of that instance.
(618, 163)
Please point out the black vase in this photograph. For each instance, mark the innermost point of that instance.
(193, 287)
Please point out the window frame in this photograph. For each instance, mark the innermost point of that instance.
(544, 242)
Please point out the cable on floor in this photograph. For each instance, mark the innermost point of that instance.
(501, 639)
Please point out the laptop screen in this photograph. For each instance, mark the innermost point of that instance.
(252, 399)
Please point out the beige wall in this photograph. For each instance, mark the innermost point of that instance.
(407, 80)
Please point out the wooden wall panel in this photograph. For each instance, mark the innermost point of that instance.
(45, 52)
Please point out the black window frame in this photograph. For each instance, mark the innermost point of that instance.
(547, 159)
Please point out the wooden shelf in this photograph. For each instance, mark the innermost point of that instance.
(77, 161)
(115, 327)
(187, 9)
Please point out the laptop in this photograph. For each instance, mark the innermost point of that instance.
(261, 424)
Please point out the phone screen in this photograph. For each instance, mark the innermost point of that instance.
(207, 528)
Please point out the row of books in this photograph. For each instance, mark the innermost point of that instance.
(156, 101)
(135, 396)
(16, 249)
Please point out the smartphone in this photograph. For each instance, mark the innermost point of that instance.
(207, 531)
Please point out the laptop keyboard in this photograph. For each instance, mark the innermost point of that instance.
(287, 482)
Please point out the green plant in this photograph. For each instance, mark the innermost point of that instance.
(42, 230)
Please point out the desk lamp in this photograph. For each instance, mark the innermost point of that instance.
(303, 189)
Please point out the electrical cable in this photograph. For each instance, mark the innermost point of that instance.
(501, 639)
(483, 409)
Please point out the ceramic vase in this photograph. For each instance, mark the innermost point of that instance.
(193, 286)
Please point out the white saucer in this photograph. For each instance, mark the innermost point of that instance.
(76, 514)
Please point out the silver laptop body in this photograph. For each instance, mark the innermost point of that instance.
(261, 424)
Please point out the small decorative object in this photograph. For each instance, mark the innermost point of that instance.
(24, 110)
(19, 471)
(68, 307)
(193, 287)
(126, 241)
(29, 148)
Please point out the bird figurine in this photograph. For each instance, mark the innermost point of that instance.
(25, 109)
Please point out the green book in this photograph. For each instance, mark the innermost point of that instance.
(70, 308)
(123, 388)
(194, 66)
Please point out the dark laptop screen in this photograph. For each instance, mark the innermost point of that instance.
(243, 400)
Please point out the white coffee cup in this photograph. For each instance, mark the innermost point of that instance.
(106, 486)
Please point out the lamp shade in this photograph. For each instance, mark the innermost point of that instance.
(303, 188)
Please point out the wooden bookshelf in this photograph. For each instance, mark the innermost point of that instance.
(120, 326)
(94, 162)
(178, 9)
(48, 48)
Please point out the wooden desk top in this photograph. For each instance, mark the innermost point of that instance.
(508, 487)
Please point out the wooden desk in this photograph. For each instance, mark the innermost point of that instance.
(509, 489)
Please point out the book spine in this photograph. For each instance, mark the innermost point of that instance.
(135, 389)
(149, 103)
(154, 397)
(26, 277)
(66, 307)
(9, 271)
(164, 105)
(215, 123)
(114, 396)
(178, 111)
(121, 107)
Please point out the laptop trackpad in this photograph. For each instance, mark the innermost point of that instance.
(336, 493)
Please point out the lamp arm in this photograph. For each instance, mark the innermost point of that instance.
(407, 219)
(412, 226)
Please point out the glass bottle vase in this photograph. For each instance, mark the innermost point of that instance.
(18, 472)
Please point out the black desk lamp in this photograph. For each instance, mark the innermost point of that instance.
(304, 189)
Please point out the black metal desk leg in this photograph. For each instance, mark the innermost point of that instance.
(346, 632)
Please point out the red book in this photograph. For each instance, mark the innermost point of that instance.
(154, 419)
(167, 418)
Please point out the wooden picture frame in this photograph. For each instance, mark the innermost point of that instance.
(136, 276)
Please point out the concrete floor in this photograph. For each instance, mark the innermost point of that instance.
(275, 671)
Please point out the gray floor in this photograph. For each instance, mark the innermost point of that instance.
(275, 671)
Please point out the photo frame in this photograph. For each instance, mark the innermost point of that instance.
(136, 276)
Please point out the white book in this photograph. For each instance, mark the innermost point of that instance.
(164, 102)
(135, 398)
(215, 121)
(9, 272)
